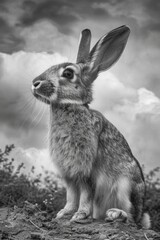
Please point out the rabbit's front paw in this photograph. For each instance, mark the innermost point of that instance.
(115, 213)
(80, 215)
(64, 212)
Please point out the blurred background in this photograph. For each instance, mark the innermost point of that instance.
(35, 35)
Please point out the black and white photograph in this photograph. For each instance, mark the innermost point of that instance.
(79, 119)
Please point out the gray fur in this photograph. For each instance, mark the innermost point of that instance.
(103, 178)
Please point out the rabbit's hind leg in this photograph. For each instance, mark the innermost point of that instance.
(72, 200)
(121, 207)
(115, 213)
(103, 186)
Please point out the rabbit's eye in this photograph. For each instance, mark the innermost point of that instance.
(68, 73)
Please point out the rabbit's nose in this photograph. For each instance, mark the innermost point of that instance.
(37, 84)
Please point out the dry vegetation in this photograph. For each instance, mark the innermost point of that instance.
(28, 208)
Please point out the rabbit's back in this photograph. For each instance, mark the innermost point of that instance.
(114, 153)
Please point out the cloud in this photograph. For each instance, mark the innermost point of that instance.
(19, 110)
(61, 13)
(9, 41)
(46, 26)
(32, 157)
(70, 16)
(10, 13)
(123, 8)
(46, 36)
(147, 103)
(136, 113)
(110, 92)
(140, 68)
(153, 11)
(38, 159)
(128, 95)
(143, 14)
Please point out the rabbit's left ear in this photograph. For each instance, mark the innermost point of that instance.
(84, 46)
(107, 50)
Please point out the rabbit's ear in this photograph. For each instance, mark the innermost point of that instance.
(108, 50)
(84, 46)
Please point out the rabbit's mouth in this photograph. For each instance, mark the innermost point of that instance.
(41, 98)
(43, 90)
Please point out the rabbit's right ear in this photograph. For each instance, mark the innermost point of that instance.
(107, 50)
(84, 46)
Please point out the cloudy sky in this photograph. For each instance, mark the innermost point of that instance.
(35, 35)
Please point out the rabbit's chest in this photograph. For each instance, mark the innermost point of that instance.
(73, 143)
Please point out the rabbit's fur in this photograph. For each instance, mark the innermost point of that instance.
(103, 178)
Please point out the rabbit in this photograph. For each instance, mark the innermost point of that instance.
(103, 179)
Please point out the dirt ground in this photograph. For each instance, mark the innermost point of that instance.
(31, 223)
